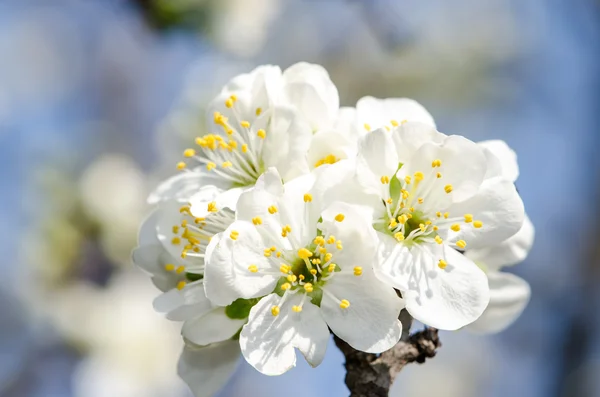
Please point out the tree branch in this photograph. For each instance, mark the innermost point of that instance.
(372, 375)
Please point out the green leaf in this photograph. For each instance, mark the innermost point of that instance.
(240, 309)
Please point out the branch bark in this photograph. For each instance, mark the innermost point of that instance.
(372, 375)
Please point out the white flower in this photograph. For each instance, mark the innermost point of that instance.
(509, 294)
(331, 146)
(259, 120)
(312, 266)
(172, 245)
(431, 199)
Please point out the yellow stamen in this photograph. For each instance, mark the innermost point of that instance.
(436, 163)
(344, 304)
(308, 198)
(181, 285)
(477, 224)
(234, 235)
(296, 309)
(180, 165)
(308, 287)
(339, 217)
(169, 267)
(468, 218)
(180, 269)
(304, 253)
(189, 153)
(275, 310)
(257, 220)
(358, 270)
(461, 244)
(438, 240)
(442, 264)
(367, 127)
(455, 227)
(245, 124)
(286, 286)
(261, 134)
(448, 189)
(253, 268)
(272, 209)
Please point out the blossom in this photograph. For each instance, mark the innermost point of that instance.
(340, 142)
(262, 119)
(431, 198)
(509, 294)
(311, 268)
(172, 245)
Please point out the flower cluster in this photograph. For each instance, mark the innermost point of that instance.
(292, 218)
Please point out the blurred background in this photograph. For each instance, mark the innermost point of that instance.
(93, 94)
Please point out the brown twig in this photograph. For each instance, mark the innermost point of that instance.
(372, 375)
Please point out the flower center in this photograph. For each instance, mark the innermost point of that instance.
(414, 208)
(192, 236)
(234, 152)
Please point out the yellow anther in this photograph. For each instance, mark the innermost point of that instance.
(412, 209)
(234, 235)
(245, 124)
(210, 165)
(181, 285)
(435, 228)
(304, 253)
(313, 272)
(316, 261)
(331, 267)
(328, 257)
(233, 97)
(286, 286)
(407, 179)
(275, 310)
(199, 141)
(409, 216)
(226, 164)
(212, 207)
(308, 198)
(229, 103)
(261, 134)
(387, 128)
(244, 148)
(301, 277)
(428, 223)
(267, 252)
(175, 229)
(385, 179)
(438, 214)
(308, 287)
(257, 220)
(285, 268)
(319, 240)
(477, 224)
(175, 241)
(292, 278)
(322, 250)
(357, 270)
(389, 201)
(180, 165)
(199, 220)
(273, 248)
(455, 227)
(436, 163)
(296, 309)
(422, 227)
(339, 217)
(461, 244)
(438, 175)
(329, 159)
(367, 127)
(232, 144)
(278, 254)
(446, 215)
(258, 111)
(184, 253)
(272, 209)
(339, 245)
(169, 267)
(405, 193)
(438, 240)
(392, 224)
(448, 188)
(394, 123)
(180, 269)
(253, 268)
(344, 304)
(442, 264)
(189, 153)
(468, 218)
(402, 219)
(419, 176)
(399, 236)
(331, 239)
(420, 200)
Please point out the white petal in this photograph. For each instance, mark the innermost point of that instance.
(380, 112)
(207, 369)
(377, 157)
(359, 239)
(394, 262)
(346, 124)
(185, 184)
(409, 137)
(509, 252)
(286, 143)
(177, 302)
(446, 299)
(498, 206)
(211, 327)
(224, 200)
(147, 232)
(463, 165)
(502, 160)
(168, 216)
(327, 143)
(152, 259)
(370, 323)
(226, 276)
(509, 295)
(309, 88)
(268, 341)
